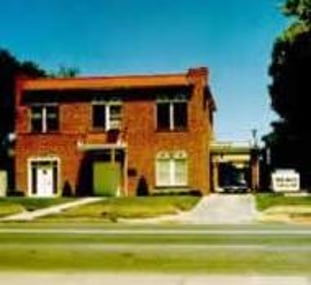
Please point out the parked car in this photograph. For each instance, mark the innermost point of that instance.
(235, 188)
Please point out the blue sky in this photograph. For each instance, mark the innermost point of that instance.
(233, 38)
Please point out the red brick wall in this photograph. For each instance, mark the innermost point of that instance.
(138, 131)
(45, 146)
(144, 141)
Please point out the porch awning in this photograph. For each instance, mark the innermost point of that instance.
(91, 146)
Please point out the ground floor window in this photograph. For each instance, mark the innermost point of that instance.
(43, 177)
(172, 168)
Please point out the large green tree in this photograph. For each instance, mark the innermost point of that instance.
(290, 91)
(10, 69)
(301, 9)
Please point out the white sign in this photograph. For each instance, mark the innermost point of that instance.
(285, 180)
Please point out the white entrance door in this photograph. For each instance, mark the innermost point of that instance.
(43, 177)
(45, 181)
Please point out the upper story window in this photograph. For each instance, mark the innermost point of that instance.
(172, 114)
(44, 118)
(107, 116)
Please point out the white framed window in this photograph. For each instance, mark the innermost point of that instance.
(172, 169)
(44, 118)
(172, 114)
(107, 115)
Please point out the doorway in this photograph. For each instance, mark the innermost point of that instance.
(108, 172)
(43, 177)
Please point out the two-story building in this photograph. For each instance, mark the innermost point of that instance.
(120, 135)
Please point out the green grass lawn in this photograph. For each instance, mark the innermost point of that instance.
(223, 261)
(267, 200)
(9, 208)
(130, 207)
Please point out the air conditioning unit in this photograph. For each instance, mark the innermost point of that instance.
(115, 125)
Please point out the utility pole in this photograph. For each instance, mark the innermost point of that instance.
(254, 162)
(254, 137)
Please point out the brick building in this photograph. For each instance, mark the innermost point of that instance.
(122, 135)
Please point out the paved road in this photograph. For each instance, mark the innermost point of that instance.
(144, 279)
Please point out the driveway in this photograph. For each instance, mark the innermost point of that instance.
(224, 209)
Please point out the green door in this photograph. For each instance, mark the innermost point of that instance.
(106, 178)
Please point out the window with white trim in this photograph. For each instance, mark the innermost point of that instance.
(172, 115)
(44, 118)
(107, 116)
(172, 169)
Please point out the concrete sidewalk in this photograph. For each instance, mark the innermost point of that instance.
(29, 216)
(94, 278)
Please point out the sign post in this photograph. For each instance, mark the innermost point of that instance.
(285, 180)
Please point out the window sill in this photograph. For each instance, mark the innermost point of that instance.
(45, 133)
(98, 130)
(172, 187)
(176, 190)
(185, 130)
(171, 190)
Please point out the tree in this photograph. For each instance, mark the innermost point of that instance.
(301, 9)
(65, 72)
(290, 91)
(10, 68)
